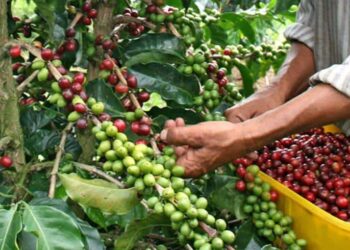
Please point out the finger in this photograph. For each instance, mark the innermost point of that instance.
(191, 136)
(180, 150)
(234, 119)
(170, 124)
(180, 122)
(192, 162)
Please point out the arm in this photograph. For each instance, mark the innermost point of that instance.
(291, 80)
(319, 106)
(212, 144)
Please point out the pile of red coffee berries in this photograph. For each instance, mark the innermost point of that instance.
(314, 164)
(260, 204)
(6, 161)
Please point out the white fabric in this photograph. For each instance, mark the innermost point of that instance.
(324, 26)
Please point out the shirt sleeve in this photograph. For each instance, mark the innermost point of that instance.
(338, 75)
(302, 30)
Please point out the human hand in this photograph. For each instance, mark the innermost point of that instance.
(206, 146)
(254, 106)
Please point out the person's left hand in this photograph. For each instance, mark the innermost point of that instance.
(208, 145)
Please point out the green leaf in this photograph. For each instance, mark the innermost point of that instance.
(98, 193)
(53, 228)
(55, 16)
(217, 181)
(92, 237)
(230, 199)
(10, 226)
(32, 120)
(248, 81)
(246, 238)
(167, 81)
(154, 101)
(96, 216)
(282, 6)
(102, 92)
(137, 213)
(240, 23)
(44, 142)
(218, 35)
(158, 47)
(139, 229)
(269, 247)
(160, 116)
(175, 3)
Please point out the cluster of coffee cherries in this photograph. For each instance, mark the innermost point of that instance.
(187, 22)
(108, 72)
(142, 96)
(6, 161)
(315, 165)
(140, 123)
(134, 28)
(194, 64)
(213, 95)
(86, 8)
(159, 178)
(260, 205)
(26, 25)
(68, 92)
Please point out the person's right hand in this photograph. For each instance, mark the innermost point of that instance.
(254, 106)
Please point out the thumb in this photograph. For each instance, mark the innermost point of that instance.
(182, 136)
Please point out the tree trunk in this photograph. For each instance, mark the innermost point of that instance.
(9, 110)
(103, 25)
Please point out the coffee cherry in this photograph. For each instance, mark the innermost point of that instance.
(70, 32)
(80, 108)
(143, 96)
(86, 20)
(79, 78)
(151, 9)
(113, 79)
(228, 237)
(274, 195)
(92, 13)
(64, 83)
(97, 108)
(240, 186)
(121, 88)
(132, 81)
(76, 88)
(107, 44)
(120, 125)
(68, 94)
(15, 51)
(82, 124)
(70, 45)
(47, 54)
(144, 129)
(86, 7)
(342, 202)
(6, 161)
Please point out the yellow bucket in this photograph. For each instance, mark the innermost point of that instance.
(322, 230)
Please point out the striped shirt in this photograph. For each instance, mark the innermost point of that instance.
(324, 26)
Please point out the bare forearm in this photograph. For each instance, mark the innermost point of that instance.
(293, 76)
(319, 106)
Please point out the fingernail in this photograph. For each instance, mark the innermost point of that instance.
(163, 134)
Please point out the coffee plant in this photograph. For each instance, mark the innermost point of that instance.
(86, 86)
